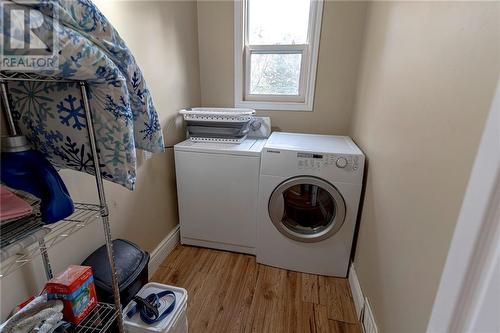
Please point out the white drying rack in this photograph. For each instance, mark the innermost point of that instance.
(232, 115)
(218, 115)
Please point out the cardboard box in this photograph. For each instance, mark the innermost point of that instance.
(75, 287)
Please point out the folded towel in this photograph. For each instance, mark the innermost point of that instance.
(29, 198)
(18, 230)
(12, 206)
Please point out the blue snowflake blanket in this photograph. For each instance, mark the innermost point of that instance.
(51, 114)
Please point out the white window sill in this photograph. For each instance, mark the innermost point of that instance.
(278, 106)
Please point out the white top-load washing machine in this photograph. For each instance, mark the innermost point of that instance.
(309, 194)
(217, 189)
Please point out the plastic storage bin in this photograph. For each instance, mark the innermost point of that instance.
(225, 125)
(131, 270)
(175, 322)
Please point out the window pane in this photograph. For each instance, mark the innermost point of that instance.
(272, 22)
(275, 74)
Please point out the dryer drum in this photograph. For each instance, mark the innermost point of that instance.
(307, 209)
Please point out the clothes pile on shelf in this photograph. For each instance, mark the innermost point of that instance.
(40, 315)
(52, 114)
(20, 221)
(67, 304)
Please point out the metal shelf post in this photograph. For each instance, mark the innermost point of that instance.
(45, 259)
(103, 203)
(8, 113)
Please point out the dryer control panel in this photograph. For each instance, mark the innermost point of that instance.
(340, 167)
(313, 161)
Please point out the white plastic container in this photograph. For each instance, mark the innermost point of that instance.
(175, 322)
(232, 115)
(220, 125)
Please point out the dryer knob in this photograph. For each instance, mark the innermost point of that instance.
(341, 162)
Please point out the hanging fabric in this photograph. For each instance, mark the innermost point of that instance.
(51, 114)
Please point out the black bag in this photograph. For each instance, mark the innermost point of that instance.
(131, 270)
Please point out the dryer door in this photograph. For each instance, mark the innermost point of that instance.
(307, 209)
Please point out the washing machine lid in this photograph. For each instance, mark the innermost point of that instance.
(313, 143)
(249, 147)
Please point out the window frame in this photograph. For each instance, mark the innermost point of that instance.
(309, 60)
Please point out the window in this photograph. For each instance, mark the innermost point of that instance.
(276, 52)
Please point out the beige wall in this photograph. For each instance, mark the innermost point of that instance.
(163, 38)
(162, 35)
(427, 78)
(341, 37)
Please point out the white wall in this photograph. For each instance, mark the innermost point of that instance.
(428, 75)
(163, 38)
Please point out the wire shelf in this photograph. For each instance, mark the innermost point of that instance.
(83, 215)
(30, 76)
(98, 320)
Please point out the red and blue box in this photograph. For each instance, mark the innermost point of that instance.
(75, 288)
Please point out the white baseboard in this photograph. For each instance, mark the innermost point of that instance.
(166, 246)
(357, 293)
(368, 322)
(363, 309)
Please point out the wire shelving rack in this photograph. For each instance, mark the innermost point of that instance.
(84, 215)
(103, 316)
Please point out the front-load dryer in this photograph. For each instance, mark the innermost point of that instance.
(309, 192)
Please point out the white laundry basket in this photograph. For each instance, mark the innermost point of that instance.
(175, 322)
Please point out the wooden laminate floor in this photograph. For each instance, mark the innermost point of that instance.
(230, 292)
